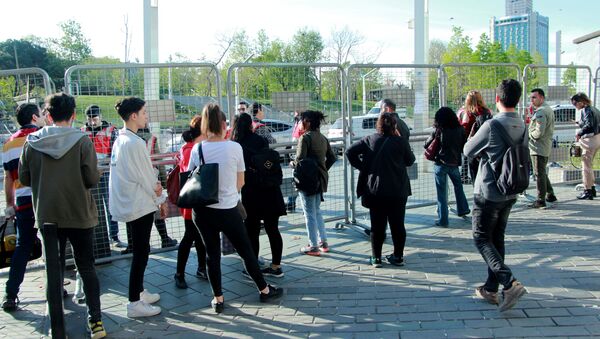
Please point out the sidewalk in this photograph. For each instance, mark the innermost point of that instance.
(555, 253)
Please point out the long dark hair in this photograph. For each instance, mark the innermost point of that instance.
(242, 127)
(445, 118)
(386, 124)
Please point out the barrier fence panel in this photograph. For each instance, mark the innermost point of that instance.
(282, 89)
(173, 92)
(416, 92)
(596, 87)
(559, 83)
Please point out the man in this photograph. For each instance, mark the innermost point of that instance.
(388, 106)
(103, 135)
(242, 107)
(492, 208)
(541, 129)
(18, 200)
(59, 164)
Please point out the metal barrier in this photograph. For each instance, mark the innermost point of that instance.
(281, 89)
(596, 87)
(173, 92)
(573, 78)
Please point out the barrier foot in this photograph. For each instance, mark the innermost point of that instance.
(360, 228)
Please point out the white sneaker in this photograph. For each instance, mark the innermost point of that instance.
(140, 308)
(149, 298)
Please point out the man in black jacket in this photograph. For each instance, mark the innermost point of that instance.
(388, 106)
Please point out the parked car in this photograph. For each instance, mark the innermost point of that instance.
(377, 109)
(564, 114)
(361, 126)
(280, 130)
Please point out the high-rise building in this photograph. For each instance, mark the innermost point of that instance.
(522, 27)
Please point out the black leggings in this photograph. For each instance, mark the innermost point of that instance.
(190, 236)
(212, 221)
(272, 229)
(382, 212)
(140, 236)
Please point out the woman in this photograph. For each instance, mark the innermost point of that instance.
(262, 202)
(191, 235)
(477, 113)
(258, 126)
(224, 216)
(447, 161)
(383, 185)
(588, 136)
(313, 144)
(297, 132)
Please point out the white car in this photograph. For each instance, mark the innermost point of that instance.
(280, 130)
(361, 126)
(564, 114)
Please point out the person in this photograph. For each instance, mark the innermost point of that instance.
(541, 130)
(491, 208)
(103, 135)
(588, 136)
(388, 106)
(261, 202)
(448, 159)
(191, 235)
(259, 127)
(315, 145)
(135, 195)
(471, 116)
(224, 216)
(242, 107)
(18, 200)
(297, 132)
(383, 185)
(60, 162)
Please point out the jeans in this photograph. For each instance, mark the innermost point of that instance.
(538, 163)
(442, 172)
(315, 226)
(211, 222)
(272, 229)
(26, 233)
(100, 194)
(190, 236)
(382, 212)
(140, 236)
(489, 225)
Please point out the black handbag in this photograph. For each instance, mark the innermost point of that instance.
(6, 253)
(202, 185)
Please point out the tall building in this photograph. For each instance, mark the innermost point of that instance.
(522, 27)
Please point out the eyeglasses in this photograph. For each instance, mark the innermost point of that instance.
(241, 109)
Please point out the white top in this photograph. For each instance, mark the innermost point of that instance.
(132, 179)
(229, 156)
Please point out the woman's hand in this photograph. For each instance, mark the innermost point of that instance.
(158, 189)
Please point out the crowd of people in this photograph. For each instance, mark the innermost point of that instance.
(48, 157)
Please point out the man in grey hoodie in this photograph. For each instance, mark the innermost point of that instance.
(59, 163)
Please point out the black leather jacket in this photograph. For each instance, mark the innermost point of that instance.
(452, 141)
(589, 122)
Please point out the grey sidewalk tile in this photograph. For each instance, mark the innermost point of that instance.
(364, 327)
(442, 324)
(546, 312)
(469, 333)
(576, 320)
(423, 334)
(531, 322)
(398, 326)
(515, 332)
(563, 331)
(487, 323)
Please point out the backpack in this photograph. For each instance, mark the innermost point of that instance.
(512, 175)
(266, 168)
(307, 177)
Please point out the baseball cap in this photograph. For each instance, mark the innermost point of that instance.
(92, 111)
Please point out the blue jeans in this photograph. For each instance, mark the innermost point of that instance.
(315, 226)
(26, 233)
(442, 172)
(100, 193)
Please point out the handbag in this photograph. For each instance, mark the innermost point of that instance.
(173, 186)
(373, 182)
(8, 245)
(433, 149)
(202, 186)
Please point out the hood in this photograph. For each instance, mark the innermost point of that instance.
(54, 141)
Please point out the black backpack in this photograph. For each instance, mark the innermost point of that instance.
(512, 175)
(307, 177)
(266, 168)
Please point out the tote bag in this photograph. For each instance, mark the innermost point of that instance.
(202, 186)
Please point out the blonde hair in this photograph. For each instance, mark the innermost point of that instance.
(212, 120)
(474, 102)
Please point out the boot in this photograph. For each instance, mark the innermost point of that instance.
(594, 191)
(586, 195)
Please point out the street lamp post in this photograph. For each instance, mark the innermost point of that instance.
(364, 90)
(237, 84)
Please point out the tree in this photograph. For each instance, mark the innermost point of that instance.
(343, 44)
(72, 46)
(437, 48)
(306, 46)
(569, 79)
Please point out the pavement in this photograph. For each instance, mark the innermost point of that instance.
(554, 252)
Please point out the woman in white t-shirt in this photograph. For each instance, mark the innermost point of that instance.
(224, 215)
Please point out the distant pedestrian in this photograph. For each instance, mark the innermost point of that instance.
(260, 128)
(492, 208)
(588, 136)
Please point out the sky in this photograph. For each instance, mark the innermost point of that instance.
(192, 27)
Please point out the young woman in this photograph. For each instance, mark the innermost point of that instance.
(313, 144)
(134, 196)
(473, 114)
(383, 185)
(258, 126)
(191, 235)
(447, 161)
(588, 136)
(261, 202)
(224, 215)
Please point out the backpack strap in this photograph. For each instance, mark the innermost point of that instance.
(504, 134)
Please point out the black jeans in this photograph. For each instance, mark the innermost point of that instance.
(82, 242)
(489, 225)
(161, 227)
(139, 229)
(272, 229)
(212, 221)
(190, 236)
(383, 211)
(538, 163)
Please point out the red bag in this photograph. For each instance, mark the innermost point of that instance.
(173, 184)
(434, 147)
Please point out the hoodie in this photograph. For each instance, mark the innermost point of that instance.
(60, 166)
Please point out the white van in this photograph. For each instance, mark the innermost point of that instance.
(361, 126)
(377, 109)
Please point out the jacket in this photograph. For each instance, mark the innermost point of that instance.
(102, 137)
(60, 166)
(589, 124)
(389, 173)
(184, 160)
(541, 130)
(402, 127)
(132, 179)
(316, 145)
(490, 147)
(451, 144)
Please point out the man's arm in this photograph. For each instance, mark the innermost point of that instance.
(479, 142)
(537, 126)
(9, 189)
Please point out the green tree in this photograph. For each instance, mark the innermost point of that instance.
(437, 48)
(72, 46)
(569, 79)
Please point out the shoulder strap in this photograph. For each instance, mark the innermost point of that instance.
(504, 135)
(200, 155)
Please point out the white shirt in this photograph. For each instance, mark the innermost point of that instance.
(229, 156)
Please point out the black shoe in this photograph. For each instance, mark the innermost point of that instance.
(375, 262)
(586, 195)
(394, 260)
(551, 198)
(538, 204)
(168, 242)
(594, 191)
(218, 307)
(273, 272)
(274, 293)
(9, 304)
(65, 293)
(180, 281)
(201, 273)
(127, 250)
